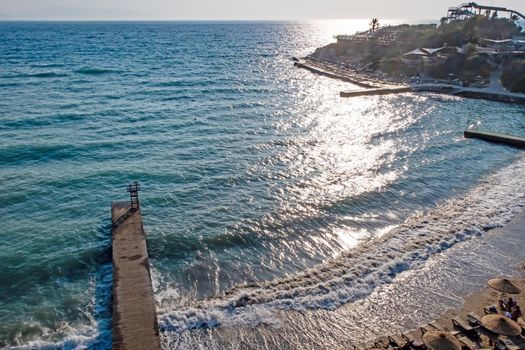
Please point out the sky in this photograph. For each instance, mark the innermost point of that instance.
(233, 9)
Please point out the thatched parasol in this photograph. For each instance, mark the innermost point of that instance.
(504, 285)
(441, 341)
(501, 325)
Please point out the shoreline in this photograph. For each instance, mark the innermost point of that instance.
(475, 301)
(381, 85)
(413, 298)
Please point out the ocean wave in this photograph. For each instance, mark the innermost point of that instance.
(74, 342)
(184, 83)
(178, 98)
(48, 75)
(47, 65)
(96, 71)
(48, 120)
(36, 75)
(35, 153)
(356, 273)
(20, 154)
(95, 334)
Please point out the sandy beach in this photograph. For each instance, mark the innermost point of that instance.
(477, 301)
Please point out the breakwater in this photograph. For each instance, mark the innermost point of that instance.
(492, 96)
(441, 89)
(496, 137)
(301, 63)
(378, 91)
(375, 88)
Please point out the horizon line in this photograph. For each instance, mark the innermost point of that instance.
(202, 20)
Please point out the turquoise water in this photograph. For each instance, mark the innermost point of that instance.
(252, 171)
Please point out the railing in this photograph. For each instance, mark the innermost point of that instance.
(123, 217)
(133, 190)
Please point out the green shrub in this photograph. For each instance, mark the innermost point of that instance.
(442, 68)
(513, 76)
(395, 66)
(474, 66)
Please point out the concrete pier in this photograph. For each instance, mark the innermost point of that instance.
(134, 315)
(495, 137)
(374, 92)
(507, 97)
(466, 92)
(301, 63)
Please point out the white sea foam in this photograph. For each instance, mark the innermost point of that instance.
(81, 338)
(356, 273)
(96, 333)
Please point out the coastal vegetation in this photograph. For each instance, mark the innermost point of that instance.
(374, 24)
(462, 50)
(513, 76)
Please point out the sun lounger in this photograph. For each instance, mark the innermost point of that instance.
(427, 328)
(474, 319)
(409, 338)
(499, 345)
(511, 344)
(380, 344)
(468, 343)
(465, 327)
(490, 310)
(460, 323)
(431, 327)
(438, 326)
(397, 340)
(455, 333)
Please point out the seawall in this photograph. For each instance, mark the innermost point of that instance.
(334, 75)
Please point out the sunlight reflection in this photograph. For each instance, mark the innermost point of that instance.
(342, 151)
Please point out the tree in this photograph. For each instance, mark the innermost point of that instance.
(374, 24)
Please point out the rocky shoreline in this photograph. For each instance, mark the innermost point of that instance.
(471, 52)
(397, 85)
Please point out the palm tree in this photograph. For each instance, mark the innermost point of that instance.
(374, 24)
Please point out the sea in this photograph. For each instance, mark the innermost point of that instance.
(278, 215)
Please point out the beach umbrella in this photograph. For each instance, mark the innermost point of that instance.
(501, 325)
(441, 341)
(504, 285)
